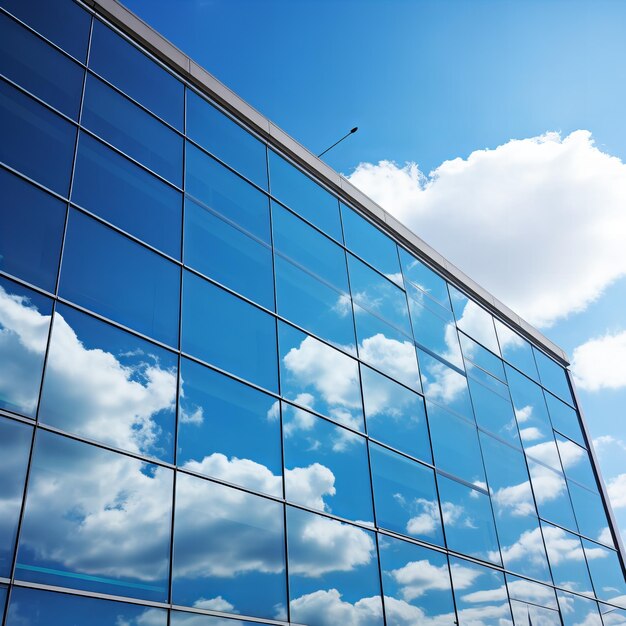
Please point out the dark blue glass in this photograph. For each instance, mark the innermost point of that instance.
(110, 386)
(39, 68)
(422, 279)
(473, 320)
(576, 610)
(15, 441)
(228, 332)
(229, 549)
(31, 231)
(62, 22)
(395, 415)
(138, 76)
(405, 496)
(120, 279)
(229, 255)
(318, 377)
(300, 193)
(95, 520)
(333, 572)
(24, 324)
(225, 193)
(606, 572)
(371, 244)
(416, 584)
(482, 358)
(553, 377)
(564, 419)
(551, 495)
(468, 520)
(228, 430)
(3, 597)
(224, 138)
(325, 466)
(590, 514)
(115, 188)
(129, 128)
(35, 141)
(516, 350)
(49, 608)
(180, 618)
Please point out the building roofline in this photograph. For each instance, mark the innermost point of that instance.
(197, 76)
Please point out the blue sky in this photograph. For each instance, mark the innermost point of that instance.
(433, 81)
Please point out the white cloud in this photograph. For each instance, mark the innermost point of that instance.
(599, 363)
(617, 491)
(396, 358)
(527, 204)
(418, 577)
(326, 607)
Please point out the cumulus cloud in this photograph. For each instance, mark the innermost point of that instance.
(327, 607)
(617, 491)
(513, 199)
(396, 358)
(599, 363)
(419, 577)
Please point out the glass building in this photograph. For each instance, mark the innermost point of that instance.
(233, 390)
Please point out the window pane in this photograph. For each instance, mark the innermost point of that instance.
(116, 277)
(135, 74)
(576, 462)
(553, 376)
(35, 141)
(227, 332)
(224, 138)
(31, 230)
(48, 608)
(526, 591)
(480, 357)
(227, 194)
(303, 195)
(480, 593)
(576, 610)
(468, 520)
(181, 618)
(526, 612)
(416, 584)
(423, 280)
(109, 386)
(333, 572)
(395, 415)
(95, 520)
(319, 377)
(39, 68)
(24, 325)
(455, 445)
(606, 573)
(551, 495)
(564, 419)
(590, 514)
(405, 496)
(371, 244)
(122, 123)
(126, 195)
(228, 430)
(325, 466)
(473, 320)
(15, 441)
(64, 23)
(229, 549)
(222, 251)
(516, 350)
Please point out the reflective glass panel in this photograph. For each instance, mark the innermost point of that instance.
(551, 495)
(120, 279)
(110, 386)
(405, 496)
(303, 195)
(590, 514)
(371, 244)
(525, 613)
(473, 320)
(606, 573)
(480, 593)
(15, 441)
(228, 430)
(333, 572)
(39, 68)
(95, 520)
(553, 376)
(455, 445)
(416, 584)
(312, 304)
(229, 549)
(224, 252)
(480, 357)
(3, 597)
(318, 377)
(567, 559)
(121, 192)
(564, 419)
(224, 138)
(35, 141)
(612, 616)
(527, 591)
(227, 194)
(325, 466)
(31, 231)
(64, 23)
(119, 62)
(24, 325)
(228, 332)
(32, 607)
(516, 350)
(395, 415)
(576, 610)
(423, 278)
(444, 385)
(132, 130)
(576, 462)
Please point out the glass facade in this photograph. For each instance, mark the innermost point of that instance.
(226, 395)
